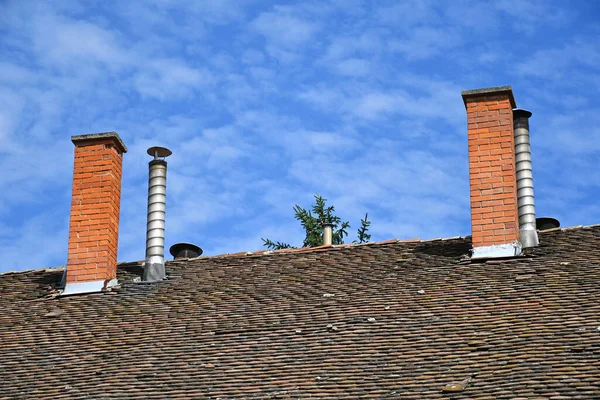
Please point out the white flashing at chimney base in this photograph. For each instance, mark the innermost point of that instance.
(88, 287)
(497, 251)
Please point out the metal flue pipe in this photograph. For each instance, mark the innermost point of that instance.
(525, 200)
(327, 234)
(154, 267)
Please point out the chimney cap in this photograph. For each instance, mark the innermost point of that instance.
(90, 137)
(185, 250)
(496, 90)
(521, 112)
(159, 152)
(544, 223)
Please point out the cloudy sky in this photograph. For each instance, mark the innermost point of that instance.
(266, 103)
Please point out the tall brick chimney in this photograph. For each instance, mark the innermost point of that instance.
(493, 183)
(95, 206)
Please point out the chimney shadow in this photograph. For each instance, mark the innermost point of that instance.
(445, 248)
(48, 279)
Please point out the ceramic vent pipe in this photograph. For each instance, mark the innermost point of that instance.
(327, 234)
(527, 229)
(154, 267)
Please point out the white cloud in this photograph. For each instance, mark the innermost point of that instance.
(408, 13)
(252, 56)
(425, 42)
(527, 16)
(373, 105)
(322, 97)
(284, 29)
(168, 78)
(303, 143)
(563, 131)
(561, 63)
(13, 74)
(39, 242)
(353, 67)
(69, 43)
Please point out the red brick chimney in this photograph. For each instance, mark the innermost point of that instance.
(95, 206)
(493, 183)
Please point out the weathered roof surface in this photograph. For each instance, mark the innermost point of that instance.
(394, 320)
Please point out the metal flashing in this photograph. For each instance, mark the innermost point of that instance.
(528, 235)
(154, 269)
(497, 251)
(87, 287)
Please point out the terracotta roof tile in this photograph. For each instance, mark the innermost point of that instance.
(384, 320)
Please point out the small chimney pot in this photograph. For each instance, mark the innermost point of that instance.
(327, 234)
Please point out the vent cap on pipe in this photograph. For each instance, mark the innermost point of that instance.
(159, 152)
(185, 250)
(544, 223)
(519, 113)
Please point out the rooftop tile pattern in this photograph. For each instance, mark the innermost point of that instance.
(400, 320)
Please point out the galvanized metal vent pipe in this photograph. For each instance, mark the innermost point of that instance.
(154, 268)
(525, 200)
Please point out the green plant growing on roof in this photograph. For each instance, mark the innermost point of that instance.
(312, 221)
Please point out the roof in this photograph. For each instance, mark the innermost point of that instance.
(389, 320)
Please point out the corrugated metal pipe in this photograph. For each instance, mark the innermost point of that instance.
(154, 267)
(327, 234)
(525, 200)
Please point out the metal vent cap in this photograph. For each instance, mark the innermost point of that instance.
(544, 223)
(185, 250)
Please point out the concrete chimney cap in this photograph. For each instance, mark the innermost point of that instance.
(491, 91)
(98, 136)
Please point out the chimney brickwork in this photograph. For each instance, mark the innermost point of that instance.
(95, 207)
(494, 211)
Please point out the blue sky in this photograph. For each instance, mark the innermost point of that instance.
(266, 103)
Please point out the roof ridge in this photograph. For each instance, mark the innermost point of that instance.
(45, 269)
(263, 252)
(382, 242)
